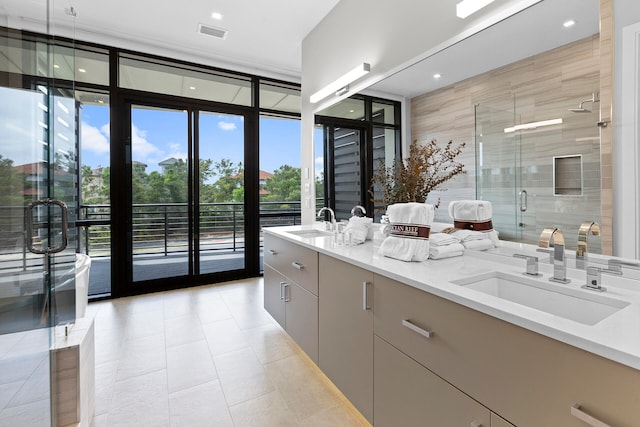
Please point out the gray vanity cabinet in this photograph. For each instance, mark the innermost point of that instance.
(527, 378)
(408, 394)
(346, 330)
(290, 291)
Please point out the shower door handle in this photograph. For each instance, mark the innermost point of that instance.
(64, 226)
(523, 200)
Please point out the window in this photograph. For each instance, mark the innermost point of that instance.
(356, 136)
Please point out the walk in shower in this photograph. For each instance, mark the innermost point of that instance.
(540, 172)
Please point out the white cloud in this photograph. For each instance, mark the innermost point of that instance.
(226, 125)
(106, 129)
(93, 139)
(140, 147)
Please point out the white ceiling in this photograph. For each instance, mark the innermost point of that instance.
(534, 30)
(265, 37)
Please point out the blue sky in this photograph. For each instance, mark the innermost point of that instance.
(160, 134)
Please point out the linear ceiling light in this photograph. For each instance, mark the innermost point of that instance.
(341, 82)
(467, 7)
(533, 125)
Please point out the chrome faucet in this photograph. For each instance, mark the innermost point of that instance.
(586, 228)
(358, 210)
(594, 280)
(554, 235)
(615, 265)
(331, 224)
(532, 264)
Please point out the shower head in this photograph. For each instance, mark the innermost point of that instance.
(594, 98)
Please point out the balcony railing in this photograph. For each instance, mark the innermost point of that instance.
(163, 228)
(157, 228)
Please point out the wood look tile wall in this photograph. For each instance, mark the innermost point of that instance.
(539, 88)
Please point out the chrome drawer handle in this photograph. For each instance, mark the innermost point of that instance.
(282, 290)
(287, 295)
(417, 329)
(588, 419)
(272, 251)
(365, 296)
(297, 265)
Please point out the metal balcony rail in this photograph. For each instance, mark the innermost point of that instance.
(157, 228)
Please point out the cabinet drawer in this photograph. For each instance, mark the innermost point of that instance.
(273, 294)
(298, 263)
(408, 394)
(529, 379)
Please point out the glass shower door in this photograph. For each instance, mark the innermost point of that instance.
(37, 269)
(498, 171)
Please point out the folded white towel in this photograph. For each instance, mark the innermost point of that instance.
(470, 210)
(406, 247)
(478, 245)
(468, 235)
(442, 239)
(358, 228)
(437, 227)
(447, 251)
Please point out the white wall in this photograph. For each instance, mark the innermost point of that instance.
(626, 203)
(389, 35)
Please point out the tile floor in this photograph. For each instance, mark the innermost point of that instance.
(206, 356)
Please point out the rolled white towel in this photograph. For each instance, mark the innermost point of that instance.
(446, 251)
(358, 227)
(442, 239)
(478, 245)
(470, 210)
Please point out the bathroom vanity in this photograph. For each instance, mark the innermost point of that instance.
(448, 343)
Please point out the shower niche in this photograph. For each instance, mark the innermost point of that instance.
(567, 175)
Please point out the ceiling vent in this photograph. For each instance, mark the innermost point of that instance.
(212, 31)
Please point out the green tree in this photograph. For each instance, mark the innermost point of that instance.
(140, 184)
(176, 182)
(320, 186)
(284, 185)
(12, 183)
(230, 177)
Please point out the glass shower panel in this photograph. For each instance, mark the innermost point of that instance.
(497, 166)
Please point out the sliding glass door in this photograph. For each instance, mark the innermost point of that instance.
(187, 185)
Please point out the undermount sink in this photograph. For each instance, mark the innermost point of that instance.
(311, 232)
(573, 304)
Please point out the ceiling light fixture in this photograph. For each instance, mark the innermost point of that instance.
(192, 87)
(468, 7)
(569, 23)
(82, 70)
(216, 15)
(341, 82)
(533, 125)
(437, 75)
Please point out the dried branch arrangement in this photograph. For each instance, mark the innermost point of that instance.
(413, 178)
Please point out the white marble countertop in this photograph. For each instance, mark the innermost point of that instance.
(617, 337)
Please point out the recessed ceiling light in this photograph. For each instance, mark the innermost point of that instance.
(437, 75)
(82, 70)
(192, 87)
(216, 15)
(56, 66)
(569, 23)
